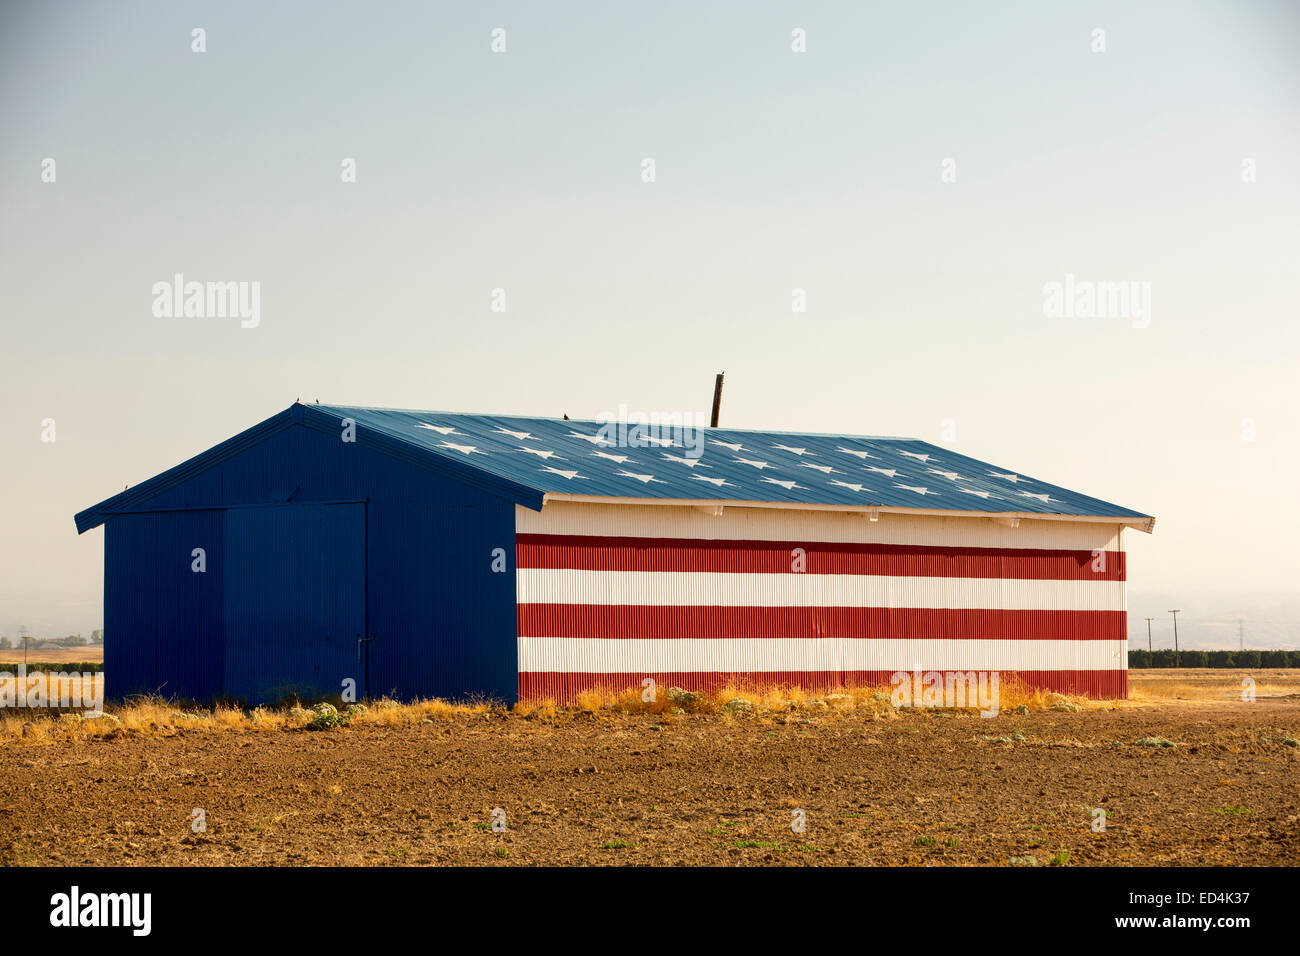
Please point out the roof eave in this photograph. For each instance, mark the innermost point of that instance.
(1144, 523)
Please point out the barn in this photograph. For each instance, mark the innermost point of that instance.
(422, 553)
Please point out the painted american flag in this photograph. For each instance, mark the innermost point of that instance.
(980, 568)
(700, 606)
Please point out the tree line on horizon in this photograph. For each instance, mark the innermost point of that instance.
(1138, 659)
(72, 640)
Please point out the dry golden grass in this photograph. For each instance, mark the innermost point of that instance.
(543, 708)
(159, 716)
(1210, 684)
(393, 713)
(9, 660)
(774, 698)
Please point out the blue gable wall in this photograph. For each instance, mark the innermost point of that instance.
(444, 622)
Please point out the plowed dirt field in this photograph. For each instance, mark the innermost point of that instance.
(898, 788)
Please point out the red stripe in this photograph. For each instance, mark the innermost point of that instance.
(599, 553)
(564, 687)
(613, 621)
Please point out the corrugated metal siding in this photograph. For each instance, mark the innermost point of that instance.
(1102, 685)
(163, 622)
(738, 523)
(616, 622)
(295, 600)
(751, 556)
(190, 604)
(130, 605)
(600, 606)
(445, 621)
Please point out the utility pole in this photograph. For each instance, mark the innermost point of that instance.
(1149, 620)
(1241, 634)
(22, 633)
(1174, 612)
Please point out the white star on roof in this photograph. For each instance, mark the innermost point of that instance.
(644, 479)
(563, 474)
(682, 459)
(824, 469)
(982, 494)
(852, 451)
(760, 465)
(787, 485)
(888, 472)
(654, 440)
(541, 453)
(1043, 498)
(794, 451)
(440, 429)
(845, 484)
(917, 489)
(517, 436)
(950, 475)
(1011, 478)
(912, 454)
(719, 482)
(594, 439)
(726, 444)
(463, 449)
(621, 459)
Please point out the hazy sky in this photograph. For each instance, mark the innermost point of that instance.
(774, 170)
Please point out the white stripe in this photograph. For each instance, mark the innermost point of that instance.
(766, 524)
(693, 655)
(728, 589)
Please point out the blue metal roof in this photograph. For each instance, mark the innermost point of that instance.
(593, 458)
(525, 459)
